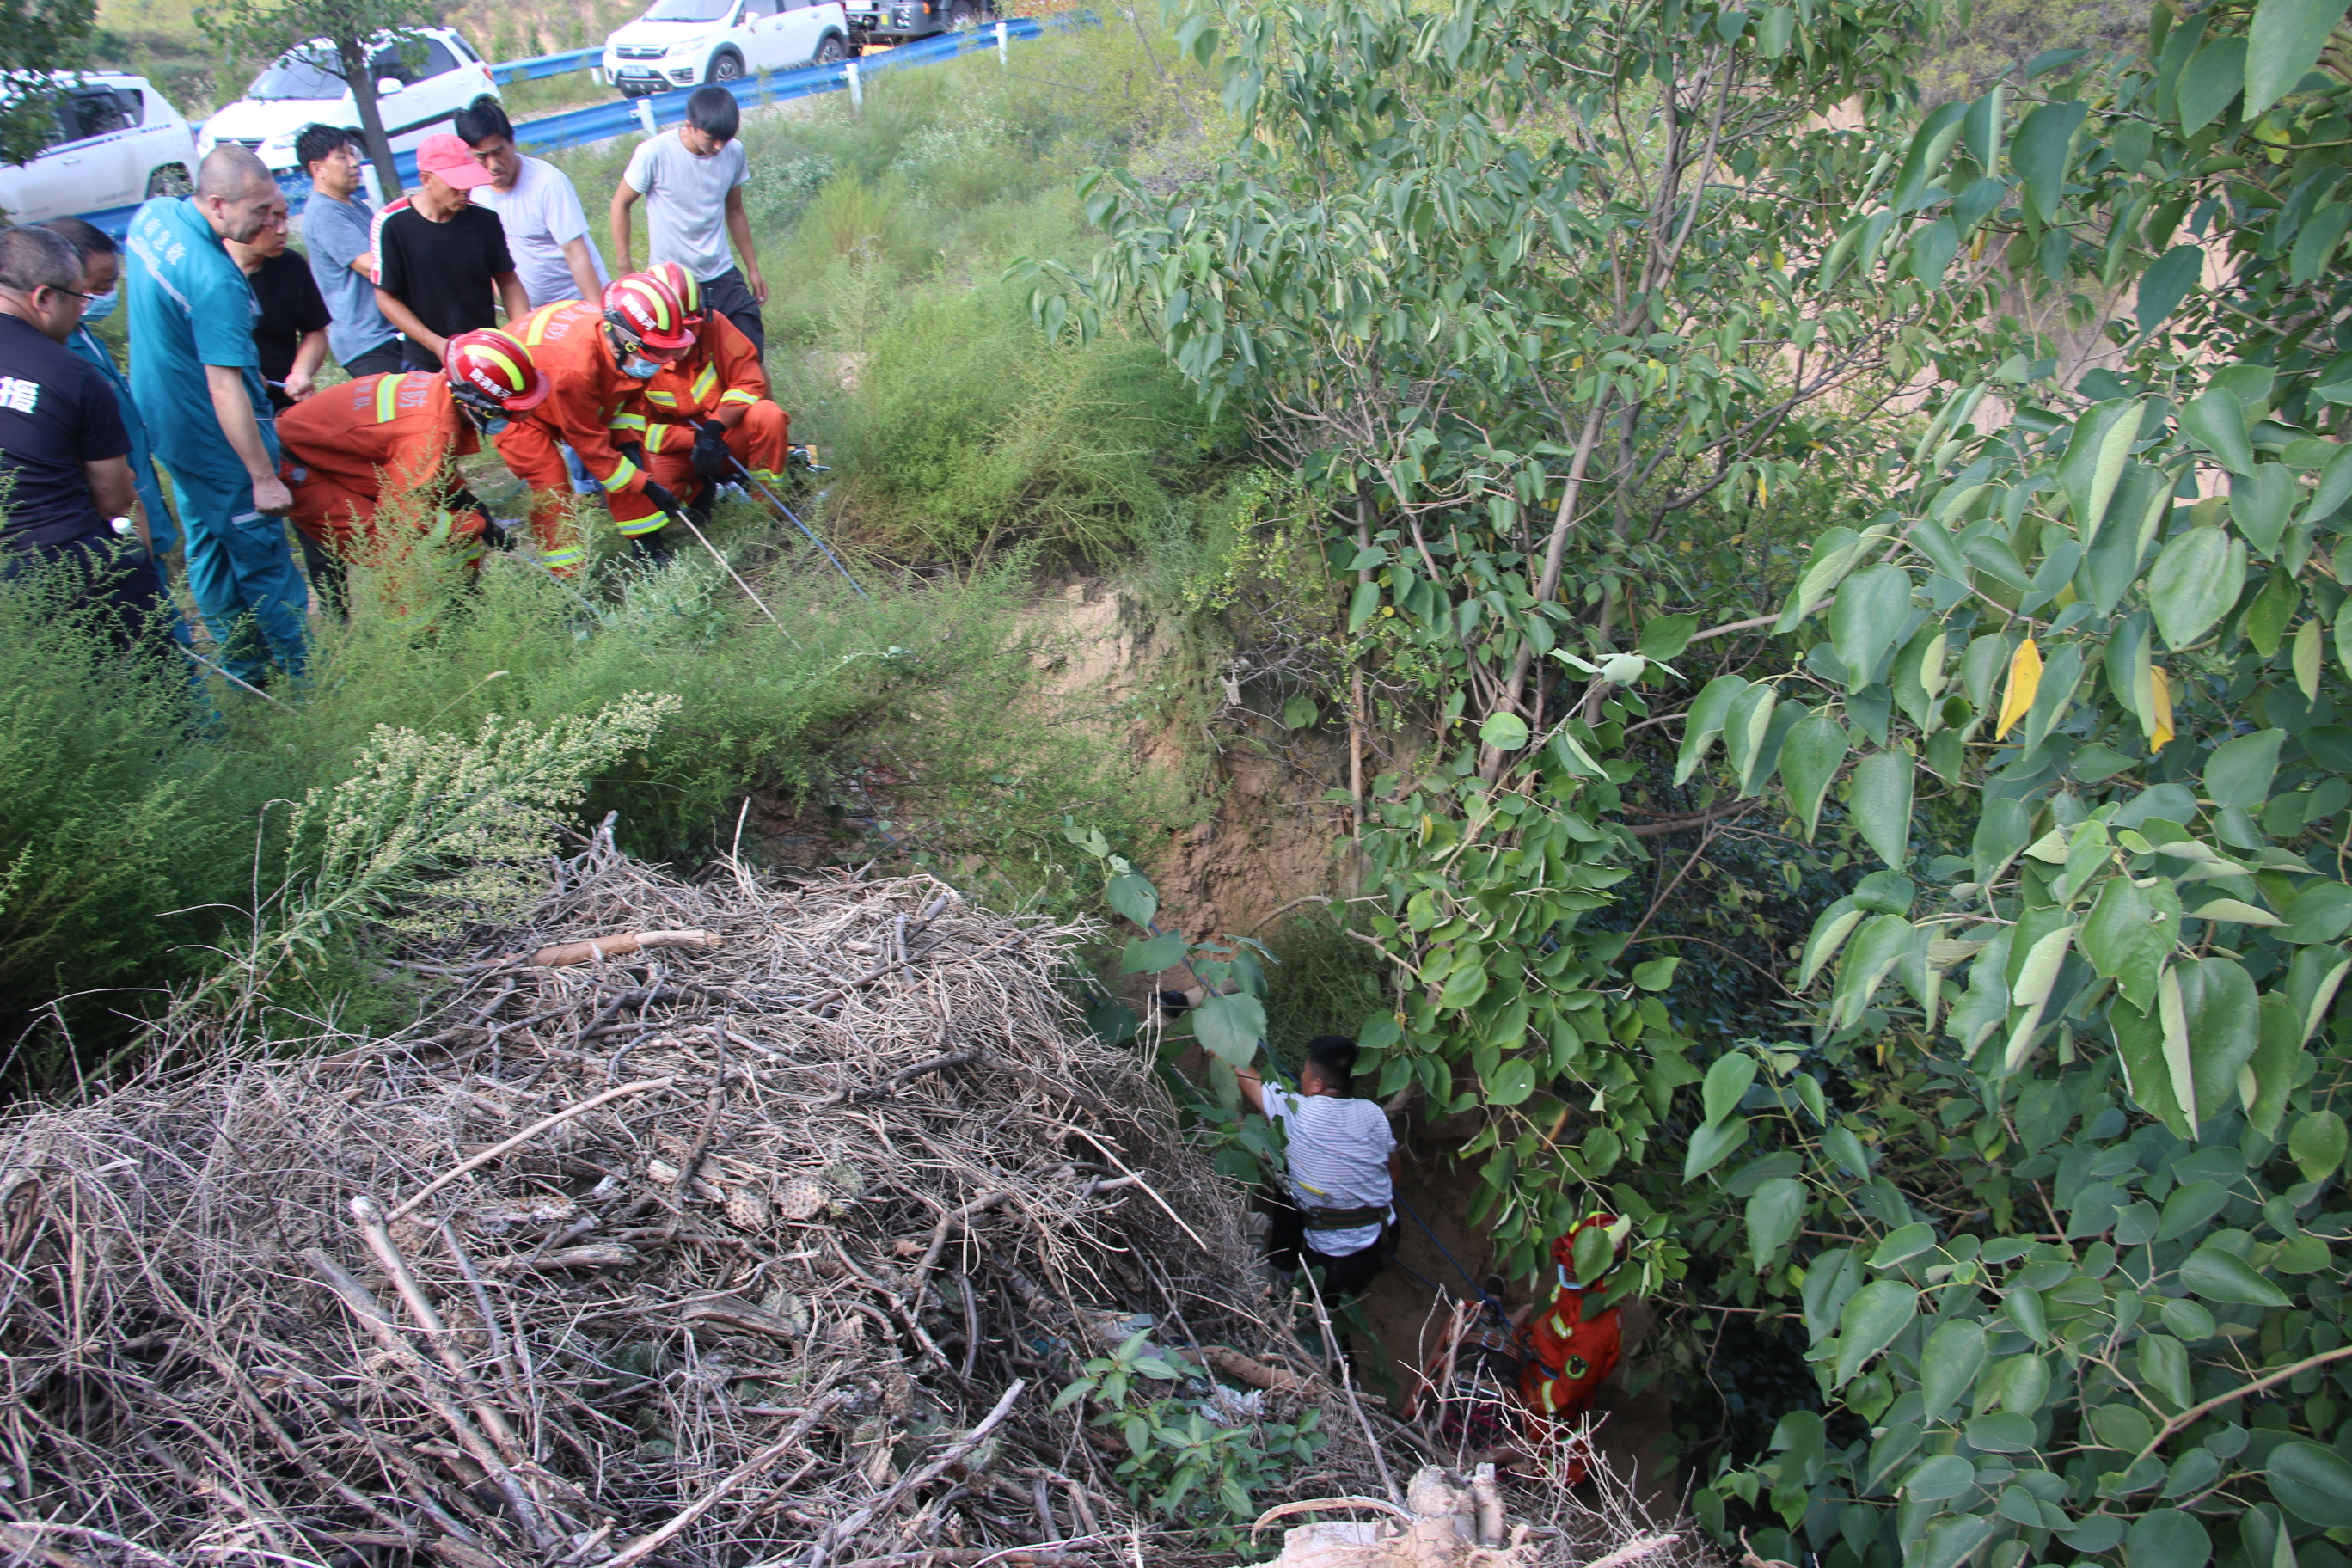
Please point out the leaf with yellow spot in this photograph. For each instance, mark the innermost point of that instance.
(2024, 679)
(2159, 686)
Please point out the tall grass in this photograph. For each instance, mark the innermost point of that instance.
(956, 431)
(138, 844)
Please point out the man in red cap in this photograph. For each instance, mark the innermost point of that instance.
(442, 264)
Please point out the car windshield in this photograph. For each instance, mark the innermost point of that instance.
(300, 73)
(690, 10)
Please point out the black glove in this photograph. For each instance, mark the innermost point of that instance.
(712, 460)
(662, 498)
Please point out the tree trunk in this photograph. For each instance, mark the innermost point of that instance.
(360, 74)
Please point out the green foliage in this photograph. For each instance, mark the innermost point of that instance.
(433, 747)
(114, 824)
(967, 434)
(40, 36)
(2054, 1184)
(1193, 1461)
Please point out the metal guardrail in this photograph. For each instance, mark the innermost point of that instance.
(647, 116)
(658, 112)
(561, 63)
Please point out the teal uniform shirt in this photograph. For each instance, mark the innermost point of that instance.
(190, 307)
(88, 344)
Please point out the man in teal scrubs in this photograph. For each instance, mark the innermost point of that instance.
(197, 378)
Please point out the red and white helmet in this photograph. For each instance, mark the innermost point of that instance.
(682, 285)
(648, 315)
(1563, 1250)
(491, 369)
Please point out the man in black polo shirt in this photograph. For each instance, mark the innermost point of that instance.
(64, 452)
(442, 264)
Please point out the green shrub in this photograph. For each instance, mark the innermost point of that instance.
(135, 846)
(117, 824)
(967, 431)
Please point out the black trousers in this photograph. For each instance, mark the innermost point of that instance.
(1289, 1248)
(731, 297)
(119, 580)
(381, 360)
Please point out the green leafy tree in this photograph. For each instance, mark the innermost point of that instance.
(355, 34)
(38, 38)
(2054, 1189)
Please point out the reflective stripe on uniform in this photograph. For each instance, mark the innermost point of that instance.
(737, 395)
(666, 399)
(535, 328)
(656, 437)
(626, 421)
(620, 478)
(640, 526)
(570, 555)
(705, 382)
(387, 397)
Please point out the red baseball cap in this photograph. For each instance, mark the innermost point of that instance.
(452, 160)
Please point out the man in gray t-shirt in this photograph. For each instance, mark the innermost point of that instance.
(692, 181)
(336, 222)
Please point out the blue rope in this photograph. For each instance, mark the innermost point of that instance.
(1476, 1290)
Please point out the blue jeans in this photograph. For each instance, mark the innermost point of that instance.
(246, 586)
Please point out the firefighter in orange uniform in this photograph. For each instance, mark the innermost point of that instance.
(384, 439)
(1573, 1342)
(598, 360)
(709, 408)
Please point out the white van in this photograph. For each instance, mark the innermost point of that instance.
(117, 142)
(421, 81)
(679, 43)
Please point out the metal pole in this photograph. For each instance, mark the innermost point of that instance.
(856, 92)
(777, 501)
(1003, 47)
(725, 566)
(226, 674)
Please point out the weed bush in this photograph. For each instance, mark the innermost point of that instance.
(966, 430)
(136, 845)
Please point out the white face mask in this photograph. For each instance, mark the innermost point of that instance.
(636, 365)
(98, 306)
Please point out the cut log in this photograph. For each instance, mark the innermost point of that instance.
(620, 945)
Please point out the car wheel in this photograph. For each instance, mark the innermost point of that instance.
(832, 51)
(170, 180)
(726, 66)
(963, 14)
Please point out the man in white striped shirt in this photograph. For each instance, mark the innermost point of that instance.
(1341, 1173)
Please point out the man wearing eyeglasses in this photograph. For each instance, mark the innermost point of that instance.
(64, 454)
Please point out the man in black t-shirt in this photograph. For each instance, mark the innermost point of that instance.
(290, 332)
(442, 266)
(64, 453)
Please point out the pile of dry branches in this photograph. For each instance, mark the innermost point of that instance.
(768, 1237)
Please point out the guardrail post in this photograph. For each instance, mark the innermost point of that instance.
(645, 114)
(1003, 47)
(856, 92)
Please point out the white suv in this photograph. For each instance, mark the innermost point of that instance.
(421, 81)
(118, 141)
(679, 43)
